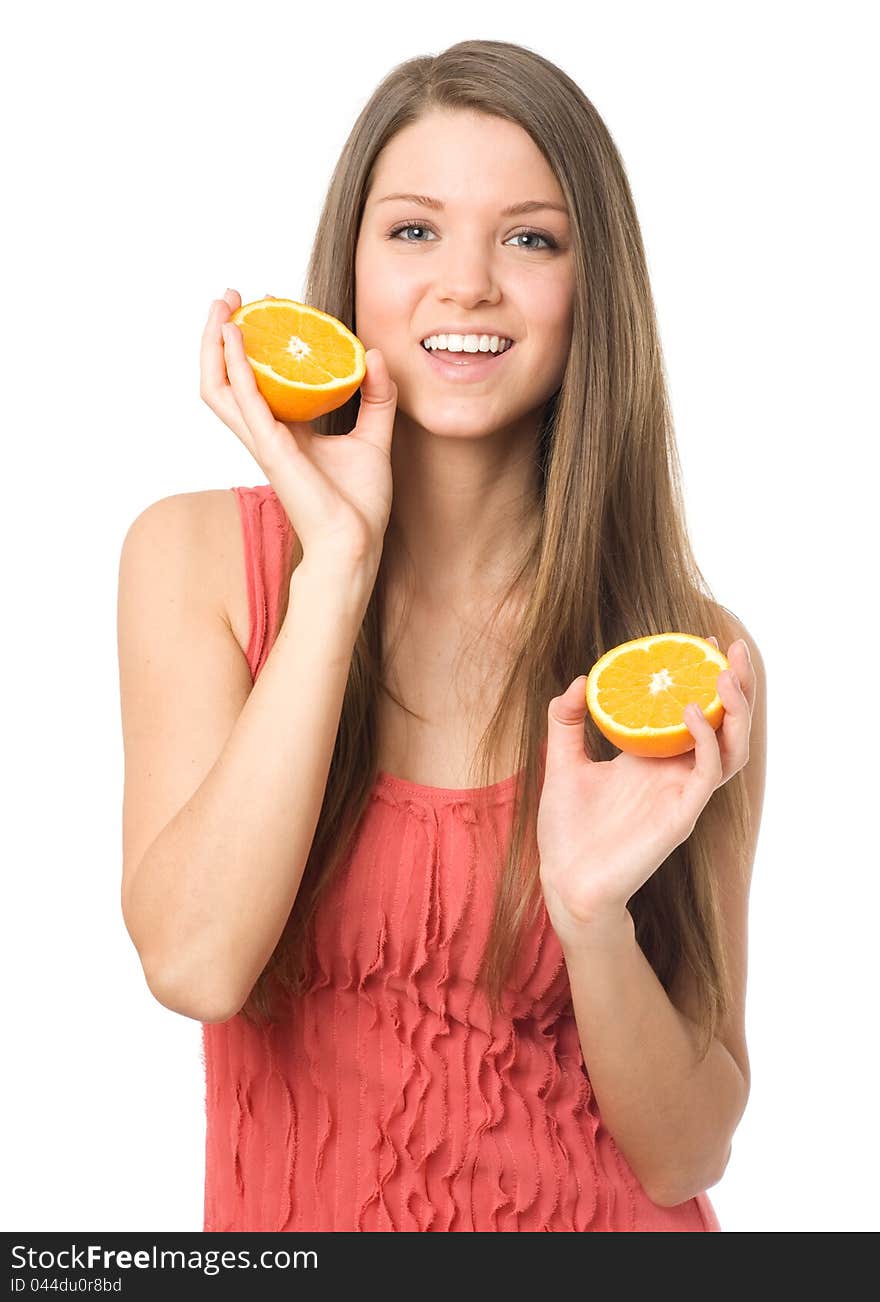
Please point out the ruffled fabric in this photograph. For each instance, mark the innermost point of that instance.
(392, 1100)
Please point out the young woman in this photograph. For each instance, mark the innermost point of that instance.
(437, 994)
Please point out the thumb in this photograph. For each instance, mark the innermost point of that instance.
(375, 421)
(565, 724)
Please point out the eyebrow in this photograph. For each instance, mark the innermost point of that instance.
(515, 209)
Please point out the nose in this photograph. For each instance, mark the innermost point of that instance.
(466, 275)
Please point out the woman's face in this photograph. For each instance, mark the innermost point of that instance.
(467, 264)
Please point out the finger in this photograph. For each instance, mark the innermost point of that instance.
(708, 768)
(215, 388)
(565, 726)
(251, 403)
(740, 661)
(212, 365)
(733, 732)
(375, 422)
(741, 664)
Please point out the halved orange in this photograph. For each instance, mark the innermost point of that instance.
(637, 692)
(306, 362)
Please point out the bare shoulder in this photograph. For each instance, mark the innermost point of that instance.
(183, 678)
(728, 629)
(200, 533)
(756, 693)
(221, 517)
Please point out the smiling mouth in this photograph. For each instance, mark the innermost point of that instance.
(465, 358)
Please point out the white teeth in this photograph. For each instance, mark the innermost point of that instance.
(467, 343)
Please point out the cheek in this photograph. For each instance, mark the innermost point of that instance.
(547, 305)
(371, 327)
(381, 302)
(552, 353)
(550, 324)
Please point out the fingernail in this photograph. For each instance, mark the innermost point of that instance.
(734, 678)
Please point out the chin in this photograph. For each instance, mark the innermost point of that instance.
(455, 428)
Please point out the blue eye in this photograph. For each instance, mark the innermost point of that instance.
(548, 239)
(408, 226)
(423, 226)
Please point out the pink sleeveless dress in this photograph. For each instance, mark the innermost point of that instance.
(395, 1102)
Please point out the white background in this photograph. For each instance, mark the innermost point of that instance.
(151, 159)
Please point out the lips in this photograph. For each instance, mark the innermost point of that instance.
(465, 354)
(463, 367)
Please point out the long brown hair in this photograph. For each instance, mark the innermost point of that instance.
(612, 558)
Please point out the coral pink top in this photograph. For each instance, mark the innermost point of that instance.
(395, 1102)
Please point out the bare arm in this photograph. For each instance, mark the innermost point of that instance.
(206, 903)
(671, 1113)
(672, 1116)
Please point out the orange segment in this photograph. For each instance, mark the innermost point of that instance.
(637, 692)
(305, 361)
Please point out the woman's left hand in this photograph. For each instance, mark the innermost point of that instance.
(605, 826)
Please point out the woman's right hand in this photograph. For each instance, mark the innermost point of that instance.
(336, 489)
